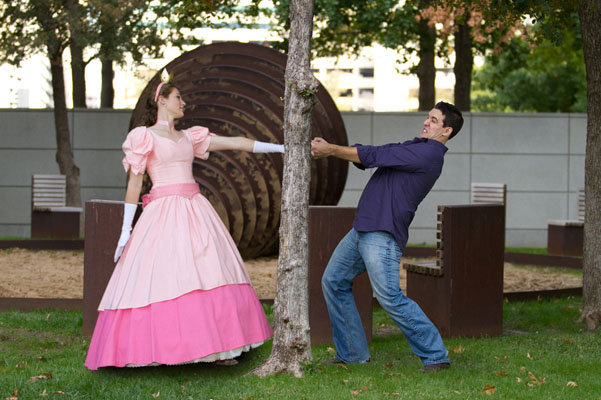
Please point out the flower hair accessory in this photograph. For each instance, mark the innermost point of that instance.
(165, 78)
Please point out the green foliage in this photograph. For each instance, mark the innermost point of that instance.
(346, 26)
(540, 340)
(533, 77)
(31, 27)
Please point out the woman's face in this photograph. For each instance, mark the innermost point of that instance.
(174, 104)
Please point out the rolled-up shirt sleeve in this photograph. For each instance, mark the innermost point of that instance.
(394, 155)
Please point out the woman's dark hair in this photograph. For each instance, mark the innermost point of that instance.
(151, 109)
(452, 117)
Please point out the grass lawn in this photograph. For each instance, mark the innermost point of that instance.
(542, 355)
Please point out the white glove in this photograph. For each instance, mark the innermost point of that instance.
(129, 210)
(263, 147)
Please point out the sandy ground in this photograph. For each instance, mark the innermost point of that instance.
(59, 274)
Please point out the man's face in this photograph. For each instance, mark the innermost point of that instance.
(433, 128)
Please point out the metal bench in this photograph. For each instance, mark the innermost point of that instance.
(462, 291)
(488, 193)
(50, 217)
(565, 236)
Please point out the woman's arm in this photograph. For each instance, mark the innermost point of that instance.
(134, 187)
(132, 194)
(231, 143)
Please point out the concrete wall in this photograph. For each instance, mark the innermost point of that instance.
(539, 156)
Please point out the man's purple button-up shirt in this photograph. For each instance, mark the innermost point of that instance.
(406, 173)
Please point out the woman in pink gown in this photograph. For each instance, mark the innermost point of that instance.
(180, 292)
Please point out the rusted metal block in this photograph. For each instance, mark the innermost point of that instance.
(327, 226)
(102, 226)
(565, 237)
(467, 300)
(55, 224)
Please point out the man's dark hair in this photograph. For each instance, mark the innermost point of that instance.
(452, 117)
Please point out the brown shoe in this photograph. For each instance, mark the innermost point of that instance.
(434, 367)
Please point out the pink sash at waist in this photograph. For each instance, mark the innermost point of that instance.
(179, 189)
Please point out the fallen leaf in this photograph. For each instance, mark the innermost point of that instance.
(44, 393)
(47, 317)
(14, 396)
(534, 378)
(59, 392)
(21, 364)
(517, 378)
(488, 389)
(342, 366)
(47, 374)
(457, 349)
(569, 342)
(522, 368)
(500, 373)
(571, 384)
(456, 392)
(355, 391)
(37, 378)
(331, 350)
(396, 394)
(157, 394)
(389, 365)
(528, 356)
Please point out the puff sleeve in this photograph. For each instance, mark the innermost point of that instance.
(201, 139)
(137, 147)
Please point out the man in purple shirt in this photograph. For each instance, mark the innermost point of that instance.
(405, 174)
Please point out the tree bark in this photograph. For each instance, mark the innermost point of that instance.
(426, 70)
(107, 93)
(291, 341)
(464, 61)
(589, 12)
(64, 152)
(78, 74)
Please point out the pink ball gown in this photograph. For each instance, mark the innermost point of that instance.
(180, 292)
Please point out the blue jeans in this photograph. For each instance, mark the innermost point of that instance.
(378, 253)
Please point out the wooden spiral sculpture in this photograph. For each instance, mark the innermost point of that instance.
(237, 89)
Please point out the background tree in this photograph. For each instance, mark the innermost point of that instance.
(528, 77)
(345, 27)
(589, 12)
(291, 342)
(122, 28)
(42, 26)
(472, 34)
(78, 37)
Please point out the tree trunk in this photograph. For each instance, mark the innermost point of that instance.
(107, 93)
(64, 152)
(78, 74)
(426, 71)
(291, 341)
(464, 61)
(589, 12)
